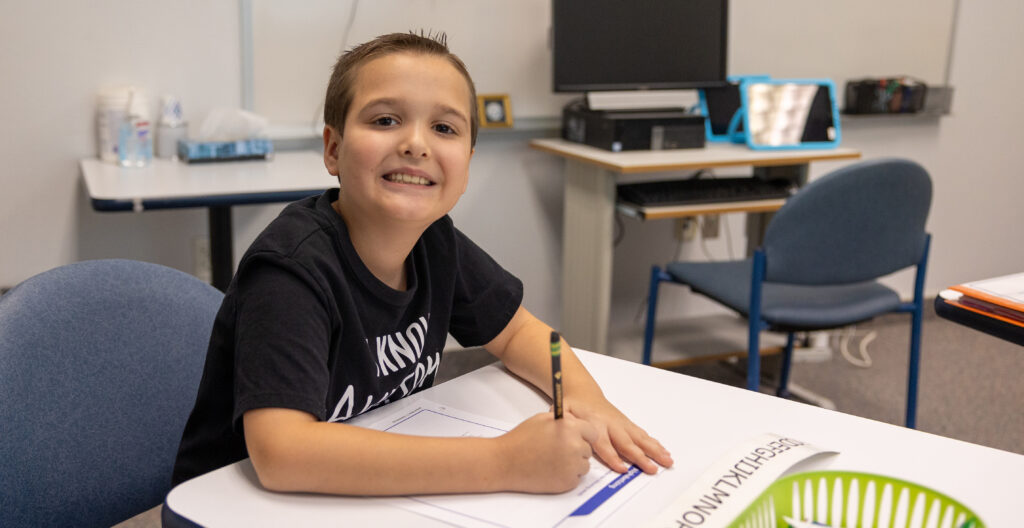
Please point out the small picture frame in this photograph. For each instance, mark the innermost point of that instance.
(494, 110)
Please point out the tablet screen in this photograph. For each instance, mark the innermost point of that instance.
(790, 113)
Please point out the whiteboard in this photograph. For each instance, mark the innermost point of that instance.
(505, 44)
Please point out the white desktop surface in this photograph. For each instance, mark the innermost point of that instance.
(697, 420)
(165, 179)
(711, 156)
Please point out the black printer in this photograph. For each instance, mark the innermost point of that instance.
(645, 129)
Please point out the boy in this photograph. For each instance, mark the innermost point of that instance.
(343, 303)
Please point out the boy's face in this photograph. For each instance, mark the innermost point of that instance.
(405, 150)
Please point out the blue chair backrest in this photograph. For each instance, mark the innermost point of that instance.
(854, 224)
(100, 362)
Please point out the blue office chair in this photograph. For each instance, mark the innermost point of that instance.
(819, 262)
(99, 366)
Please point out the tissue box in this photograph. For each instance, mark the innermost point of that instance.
(209, 151)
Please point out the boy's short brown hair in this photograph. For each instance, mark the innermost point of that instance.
(339, 88)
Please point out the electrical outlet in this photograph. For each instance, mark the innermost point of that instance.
(686, 229)
(201, 266)
(709, 226)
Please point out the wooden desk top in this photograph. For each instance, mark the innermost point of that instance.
(711, 156)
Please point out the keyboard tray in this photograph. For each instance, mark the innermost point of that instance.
(703, 191)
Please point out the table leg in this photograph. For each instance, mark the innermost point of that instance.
(587, 235)
(222, 261)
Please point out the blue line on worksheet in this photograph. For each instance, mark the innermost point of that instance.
(606, 493)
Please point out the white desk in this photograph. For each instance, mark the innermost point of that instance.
(166, 184)
(697, 420)
(590, 178)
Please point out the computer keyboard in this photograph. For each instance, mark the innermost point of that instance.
(701, 191)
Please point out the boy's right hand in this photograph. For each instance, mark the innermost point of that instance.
(545, 455)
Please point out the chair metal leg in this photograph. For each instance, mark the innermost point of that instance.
(652, 308)
(787, 362)
(915, 336)
(754, 320)
(915, 358)
(754, 356)
(787, 389)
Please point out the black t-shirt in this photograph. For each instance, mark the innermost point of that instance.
(305, 325)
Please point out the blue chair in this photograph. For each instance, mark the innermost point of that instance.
(819, 262)
(99, 366)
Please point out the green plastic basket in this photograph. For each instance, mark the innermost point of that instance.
(849, 500)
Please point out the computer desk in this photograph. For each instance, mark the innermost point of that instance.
(590, 203)
(166, 184)
(699, 421)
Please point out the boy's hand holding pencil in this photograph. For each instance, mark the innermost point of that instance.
(547, 446)
(545, 455)
(617, 437)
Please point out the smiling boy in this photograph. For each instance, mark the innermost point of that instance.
(344, 302)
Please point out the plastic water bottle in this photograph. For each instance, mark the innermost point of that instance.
(171, 129)
(135, 136)
(111, 112)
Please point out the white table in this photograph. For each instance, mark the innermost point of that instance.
(697, 420)
(588, 218)
(167, 184)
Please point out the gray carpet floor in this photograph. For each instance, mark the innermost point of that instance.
(969, 386)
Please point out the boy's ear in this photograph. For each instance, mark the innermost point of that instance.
(332, 143)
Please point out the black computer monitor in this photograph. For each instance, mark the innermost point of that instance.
(602, 45)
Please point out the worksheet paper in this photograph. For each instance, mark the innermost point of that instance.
(601, 492)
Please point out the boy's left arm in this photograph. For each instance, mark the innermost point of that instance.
(523, 346)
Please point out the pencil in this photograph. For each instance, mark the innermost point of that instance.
(556, 373)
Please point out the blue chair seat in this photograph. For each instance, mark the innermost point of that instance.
(786, 306)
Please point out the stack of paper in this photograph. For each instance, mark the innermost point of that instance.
(1001, 297)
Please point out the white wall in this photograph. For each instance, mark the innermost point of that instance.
(55, 57)
(841, 40)
(53, 66)
(505, 43)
